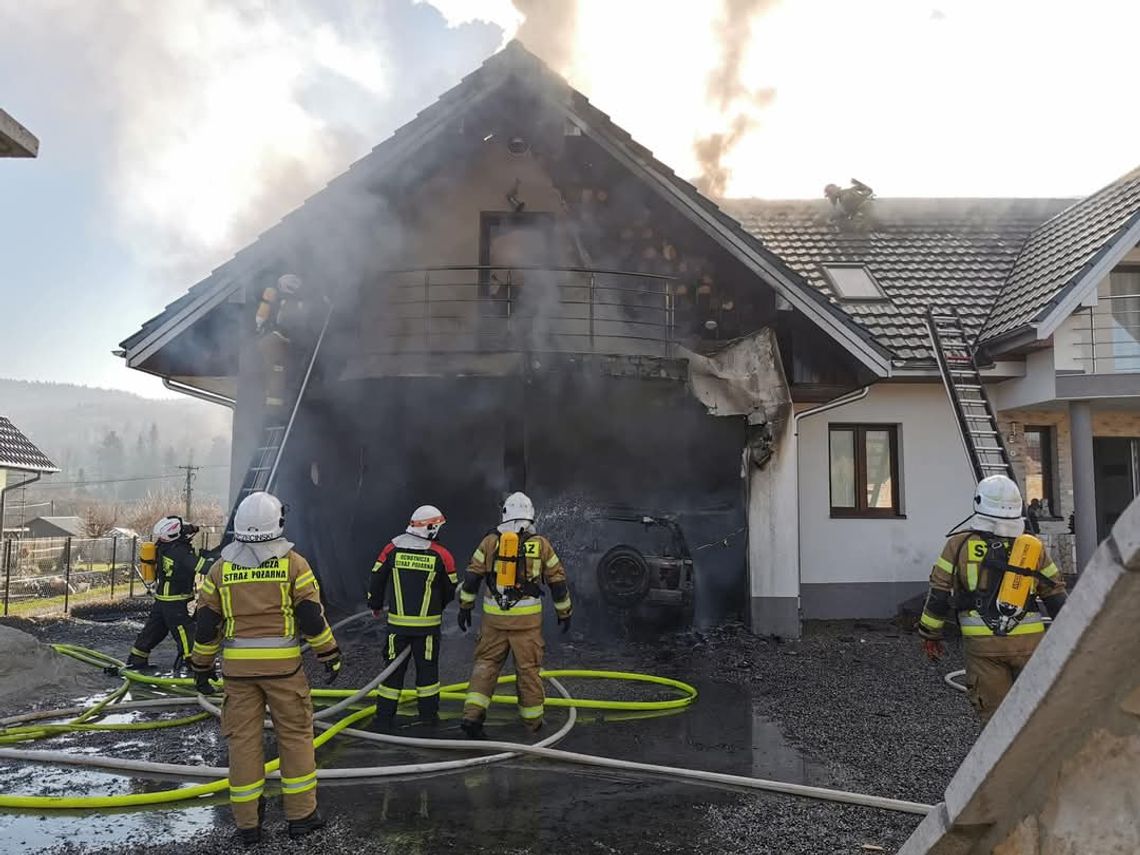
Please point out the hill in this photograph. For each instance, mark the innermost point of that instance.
(107, 435)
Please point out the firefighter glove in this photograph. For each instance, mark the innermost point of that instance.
(202, 680)
(564, 622)
(332, 667)
(464, 618)
(934, 649)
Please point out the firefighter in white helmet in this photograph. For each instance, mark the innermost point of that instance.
(251, 607)
(989, 575)
(413, 579)
(512, 562)
(176, 563)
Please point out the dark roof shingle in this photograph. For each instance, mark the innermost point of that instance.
(18, 452)
(938, 253)
(1058, 255)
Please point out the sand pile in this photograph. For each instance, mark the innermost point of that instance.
(30, 670)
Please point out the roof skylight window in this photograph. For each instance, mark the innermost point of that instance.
(853, 282)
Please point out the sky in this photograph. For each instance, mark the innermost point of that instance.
(172, 133)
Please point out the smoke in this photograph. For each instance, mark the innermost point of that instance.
(215, 118)
(728, 91)
(549, 29)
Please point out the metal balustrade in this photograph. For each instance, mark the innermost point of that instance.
(1108, 335)
(488, 309)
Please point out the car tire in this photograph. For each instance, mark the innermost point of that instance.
(623, 577)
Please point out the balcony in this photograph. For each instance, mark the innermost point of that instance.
(1107, 335)
(485, 310)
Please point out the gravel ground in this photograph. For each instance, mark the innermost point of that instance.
(849, 706)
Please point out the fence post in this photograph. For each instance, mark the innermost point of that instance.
(7, 572)
(114, 555)
(134, 557)
(67, 576)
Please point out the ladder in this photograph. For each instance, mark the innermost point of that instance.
(262, 471)
(977, 423)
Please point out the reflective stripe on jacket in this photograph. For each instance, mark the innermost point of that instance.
(177, 565)
(260, 611)
(541, 564)
(415, 578)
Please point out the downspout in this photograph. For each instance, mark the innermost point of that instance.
(834, 403)
(4, 495)
(200, 394)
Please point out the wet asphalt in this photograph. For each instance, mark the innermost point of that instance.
(850, 706)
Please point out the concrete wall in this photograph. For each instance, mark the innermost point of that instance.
(866, 567)
(1057, 769)
(773, 541)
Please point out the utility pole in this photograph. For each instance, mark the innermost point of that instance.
(188, 493)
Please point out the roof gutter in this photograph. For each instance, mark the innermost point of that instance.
(200, 394)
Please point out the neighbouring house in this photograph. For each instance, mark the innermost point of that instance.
(15, 139)
(55, 527)
(522, 297)
(21, 463)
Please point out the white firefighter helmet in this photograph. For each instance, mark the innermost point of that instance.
(518, 508)
(260, 517)
(426, 522)
(998, 507)
(290, 283)
(168, 530)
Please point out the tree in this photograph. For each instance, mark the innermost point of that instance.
(99, 519)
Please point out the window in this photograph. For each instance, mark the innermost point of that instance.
(864, 470)
(1039, 470)
(853, 282)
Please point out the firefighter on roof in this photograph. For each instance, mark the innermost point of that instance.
(414, 577)
(175, 565)
(252, 604)
(989, 576)
(512, 562)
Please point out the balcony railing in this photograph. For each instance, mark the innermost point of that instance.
(1108, 335)
(489, 309)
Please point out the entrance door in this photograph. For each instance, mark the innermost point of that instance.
(1117, 464)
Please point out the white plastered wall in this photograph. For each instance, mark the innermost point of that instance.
(865, 567)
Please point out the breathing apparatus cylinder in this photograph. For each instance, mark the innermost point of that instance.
(507, 560)
(1016, 588)
(148, 557)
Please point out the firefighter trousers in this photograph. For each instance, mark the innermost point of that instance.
(497, 638)
(167, 617)
(243, 714)
(425, 652)
(274, 350)
(992, 664)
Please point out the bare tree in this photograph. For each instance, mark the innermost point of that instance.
(99, 519)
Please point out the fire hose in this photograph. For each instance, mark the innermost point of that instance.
(347, 698)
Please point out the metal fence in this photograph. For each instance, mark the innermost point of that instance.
(1108, 335)
(51, 575)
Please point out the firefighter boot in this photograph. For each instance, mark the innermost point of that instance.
(472, 728)
(252, 836)
(301, 827)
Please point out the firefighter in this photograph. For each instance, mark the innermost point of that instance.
(251, 606)
(973, 578)
(278, 320)
(176, 564)
(415, 578)
(511, 562)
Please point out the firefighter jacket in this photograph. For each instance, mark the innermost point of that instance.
(285, 315)
(253, 615)
(177, 564)
(521, 605)
(413, 577)
(965, 580)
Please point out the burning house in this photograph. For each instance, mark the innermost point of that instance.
(512, 293)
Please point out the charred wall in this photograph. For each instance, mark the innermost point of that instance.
(365, 453)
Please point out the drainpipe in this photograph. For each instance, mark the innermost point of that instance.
(834, 403)
(200, 394)
(4, 495)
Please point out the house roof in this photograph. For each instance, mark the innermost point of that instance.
(515, 62)
(1067, 254)
(937, 253)
(71, 525)
(18, 452)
